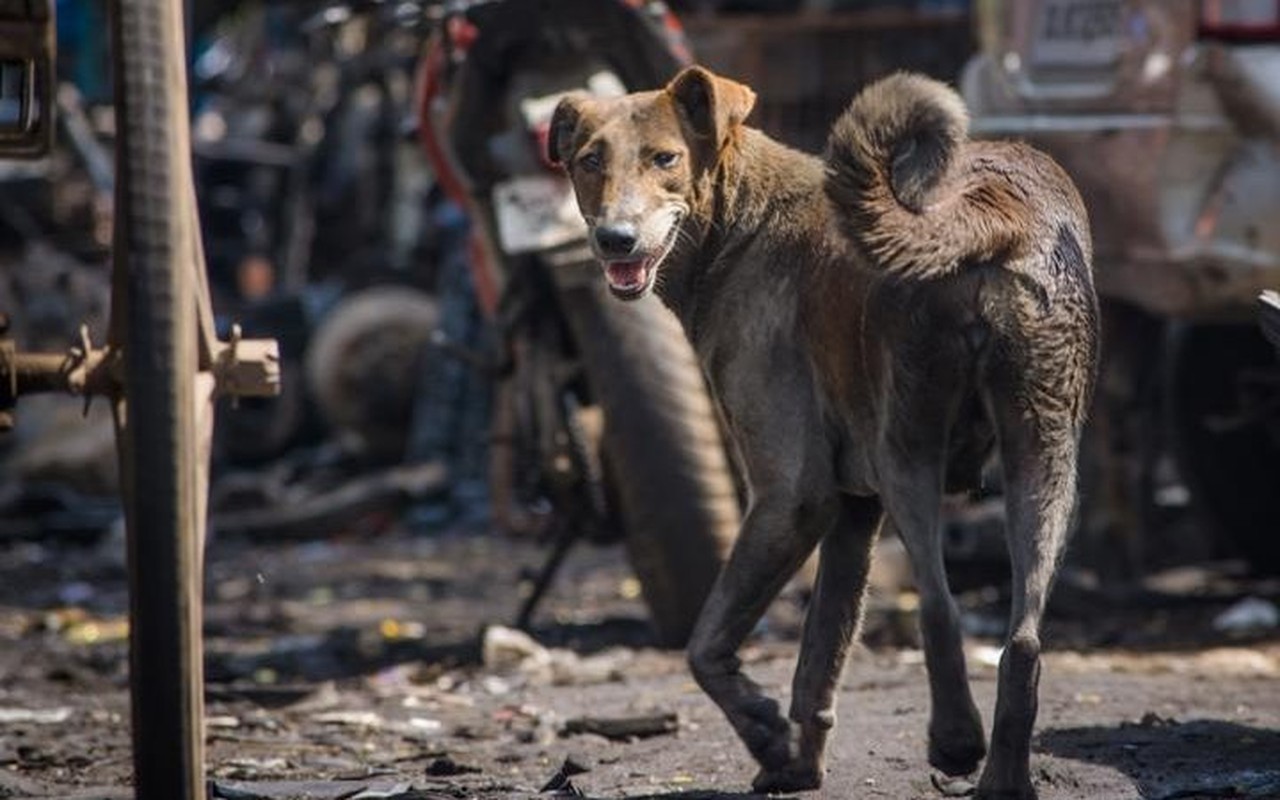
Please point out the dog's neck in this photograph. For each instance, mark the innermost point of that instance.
(738, 197)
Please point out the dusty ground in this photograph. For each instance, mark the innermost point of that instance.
(356, 664)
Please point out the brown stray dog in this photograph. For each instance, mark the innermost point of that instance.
(872, 323)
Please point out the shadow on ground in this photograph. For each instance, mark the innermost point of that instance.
(1170, 760)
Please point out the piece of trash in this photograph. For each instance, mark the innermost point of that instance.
(1249, 615)
(950, 786)
(221, 791)
(389, 793)
(426, 724)
(252, 768)
(356, 719)
(35, 716)
(629, 589)
(570, 669)
(623, 728)
(560, 782)
(222, 721)
(395, 630)
(509, 650)
(97, 631)
(445, 767)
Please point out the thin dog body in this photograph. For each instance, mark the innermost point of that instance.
(873, 324)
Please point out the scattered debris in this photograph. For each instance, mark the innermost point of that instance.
(397, 790)
(951, 786)
(446, 767)
(560, 783)
(35, 716)
(1250, 615)
(315, 790)
(623, 728)
(355, 719)
(252, 768)
(1153, 720)
(509, 650)
(512, 652)
(425, 725)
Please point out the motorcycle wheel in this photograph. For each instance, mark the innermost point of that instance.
(361, 365)
(663, 444)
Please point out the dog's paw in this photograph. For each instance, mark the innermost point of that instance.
(794, 777)
(768, 735)
(954, 756)
(987, 791)
(1027, 793)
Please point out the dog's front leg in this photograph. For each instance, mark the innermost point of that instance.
(778, 534)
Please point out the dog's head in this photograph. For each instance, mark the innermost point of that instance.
(640, 164)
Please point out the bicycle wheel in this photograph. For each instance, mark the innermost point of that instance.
(164, 419)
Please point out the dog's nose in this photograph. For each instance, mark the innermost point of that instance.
(616, 240)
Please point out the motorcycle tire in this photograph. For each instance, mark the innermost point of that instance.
(362, 363)
(666, 455)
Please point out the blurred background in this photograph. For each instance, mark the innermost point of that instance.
(469, 435)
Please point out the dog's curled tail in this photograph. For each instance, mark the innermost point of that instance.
(903, 189)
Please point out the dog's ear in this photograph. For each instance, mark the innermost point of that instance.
(713, 106)
(564, 126)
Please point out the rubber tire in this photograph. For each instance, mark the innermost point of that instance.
(155, 322)
(371, 398)
(664, 448)
(1233, 475)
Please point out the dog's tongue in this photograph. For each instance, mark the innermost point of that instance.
(627, 274)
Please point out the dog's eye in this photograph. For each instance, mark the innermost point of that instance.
(666, 159)
(589, 162)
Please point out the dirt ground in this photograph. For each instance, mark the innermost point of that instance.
(359, 665)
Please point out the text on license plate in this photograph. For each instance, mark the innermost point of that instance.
(1084, 33)
(536, 212)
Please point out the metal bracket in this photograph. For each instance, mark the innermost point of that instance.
(247, 367)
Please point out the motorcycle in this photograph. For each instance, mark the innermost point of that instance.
(602, 412)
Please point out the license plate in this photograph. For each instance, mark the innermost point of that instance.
(536, 212)
(1079, 33)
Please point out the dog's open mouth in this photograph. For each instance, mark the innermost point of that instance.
(630, 279)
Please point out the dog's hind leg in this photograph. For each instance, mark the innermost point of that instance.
(1038, 386)
(1038, 451)
(830, 627)
(778, 534)
(913, 497)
